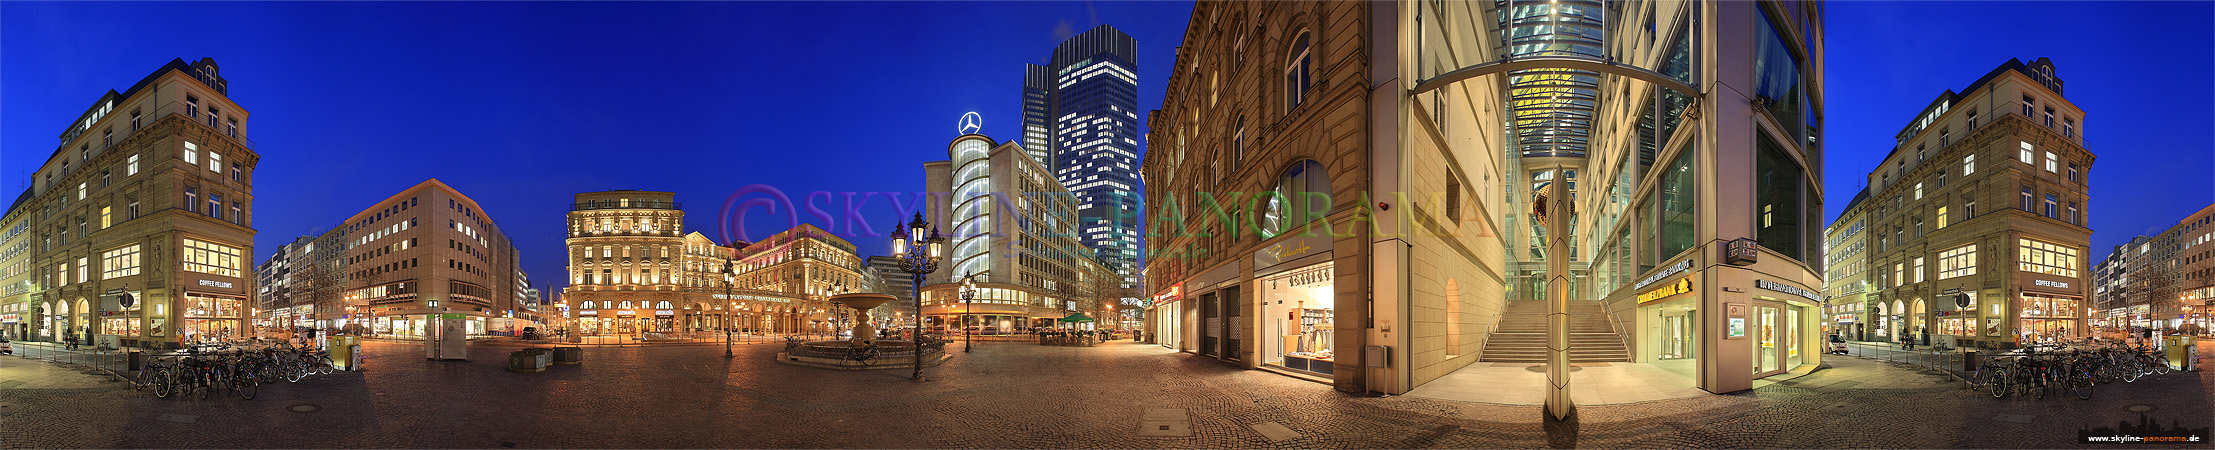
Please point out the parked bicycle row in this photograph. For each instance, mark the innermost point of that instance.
(226, 369)
(2075, 369)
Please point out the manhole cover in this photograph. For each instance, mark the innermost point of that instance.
(304, 408)
(2141, 408)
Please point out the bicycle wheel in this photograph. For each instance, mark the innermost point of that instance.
(164, 383)
(324, 367)
(145, 377)
(2132, 370)
(2160, 366)
(206, 383)
(1997, 383)
(2081, 385)
(293, 373)
(245, 386)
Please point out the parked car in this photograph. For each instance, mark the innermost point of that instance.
(1837, 345)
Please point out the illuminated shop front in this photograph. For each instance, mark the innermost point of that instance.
(212, 316)
(1668, 322)
(1297, 307)
(1167, 317)
(1783, 326)
(2048, 317)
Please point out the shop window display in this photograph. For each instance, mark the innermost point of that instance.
(1300, 305)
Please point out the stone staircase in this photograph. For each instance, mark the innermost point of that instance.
(1521, 337)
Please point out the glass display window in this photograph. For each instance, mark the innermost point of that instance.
(1299, 311)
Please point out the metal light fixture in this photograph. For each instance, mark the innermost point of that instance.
(918, 255)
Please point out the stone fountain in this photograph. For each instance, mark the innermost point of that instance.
(888, 353)
(864, 334)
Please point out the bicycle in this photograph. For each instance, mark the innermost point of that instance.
(863, 355)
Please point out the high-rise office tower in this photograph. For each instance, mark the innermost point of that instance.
(1080, 118)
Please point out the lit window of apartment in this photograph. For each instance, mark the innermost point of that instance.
(1941, 217)
(1919, 269)
(210, 258)
(121, 262)
(2046, 258)
(1918, 191)
(2050, 162)
(192, 153)
(1957, 262)
(215, 163)
(1968, 165)
(132, 168)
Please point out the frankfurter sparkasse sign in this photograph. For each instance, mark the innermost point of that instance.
(1788, 289)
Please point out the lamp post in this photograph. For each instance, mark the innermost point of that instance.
(918, 256)
(728, 277)
(969, 303)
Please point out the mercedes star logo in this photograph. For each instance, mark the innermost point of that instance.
(970, 123)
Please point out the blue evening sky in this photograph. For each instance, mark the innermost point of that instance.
(520, 105)
(2138, 70)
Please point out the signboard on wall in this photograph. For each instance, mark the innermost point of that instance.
(1682, 286)
(1739, 252)
(1788, 289)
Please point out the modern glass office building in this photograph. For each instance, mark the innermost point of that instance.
(1080, 119)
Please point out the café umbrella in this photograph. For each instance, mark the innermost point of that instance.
(1076, 318)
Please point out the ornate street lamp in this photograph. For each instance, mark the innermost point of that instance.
(918, 255)
(969, 303)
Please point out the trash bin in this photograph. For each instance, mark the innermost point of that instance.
(345, 351)
(529, 360)
(1969, 360)
(137, 360)
(569, 355)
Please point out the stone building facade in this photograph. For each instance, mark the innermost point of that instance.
(137, 230)
(1978, 216)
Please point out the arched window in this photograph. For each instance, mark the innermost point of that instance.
(626, 304)
(1302, 195)
(1296, 78)
(589, 304)
(664, 305)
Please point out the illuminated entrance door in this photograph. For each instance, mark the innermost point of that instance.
(1768, 334)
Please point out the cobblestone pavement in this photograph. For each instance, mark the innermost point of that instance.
(1013, 395)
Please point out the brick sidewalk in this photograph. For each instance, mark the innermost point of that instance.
(1012, 395)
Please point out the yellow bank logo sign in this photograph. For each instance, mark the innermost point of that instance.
(1683, 285)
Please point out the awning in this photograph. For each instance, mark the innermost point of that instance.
(1077, 317)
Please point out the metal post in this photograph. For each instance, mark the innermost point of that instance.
(917, 340)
